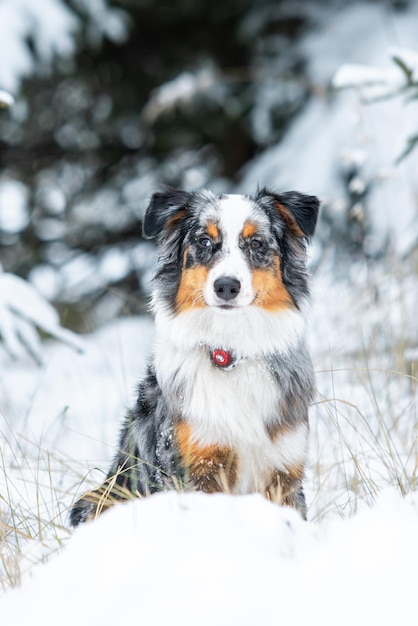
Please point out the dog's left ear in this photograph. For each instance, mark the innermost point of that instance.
(164, 206)
(301, 209)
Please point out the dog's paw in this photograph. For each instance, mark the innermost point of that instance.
(82, 511)
(93, 503)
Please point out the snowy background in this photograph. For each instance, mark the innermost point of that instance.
(315, 96)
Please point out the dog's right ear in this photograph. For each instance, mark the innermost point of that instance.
(165, 207)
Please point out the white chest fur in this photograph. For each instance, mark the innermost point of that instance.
(224, 407)
(230, 408)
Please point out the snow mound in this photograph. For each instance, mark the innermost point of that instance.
(192, 558)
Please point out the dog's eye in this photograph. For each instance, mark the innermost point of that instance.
(256, 244)
(204, 242)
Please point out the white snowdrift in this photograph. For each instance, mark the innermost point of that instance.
(197, 559)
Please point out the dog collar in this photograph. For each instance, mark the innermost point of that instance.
(224, 359)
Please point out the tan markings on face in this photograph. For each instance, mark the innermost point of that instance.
(211, 468)
(271, 294)
(212, 230)
(249, 230)
(289, 220)
(192, 283)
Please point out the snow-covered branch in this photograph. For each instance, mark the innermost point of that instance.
(401, 79)
(6, 99)
(51, 28)
(381, 82)
(180, 92)
(22, 311)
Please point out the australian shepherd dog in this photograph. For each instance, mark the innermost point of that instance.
(224, 403)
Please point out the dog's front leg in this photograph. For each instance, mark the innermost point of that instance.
(206, 468)
(285, 488)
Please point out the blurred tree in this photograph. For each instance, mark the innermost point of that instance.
(138, 93)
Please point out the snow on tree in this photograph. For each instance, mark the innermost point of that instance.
(51, 28)
(6, 99)
(22, 312)
(378, 83)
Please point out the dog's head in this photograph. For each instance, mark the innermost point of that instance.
(229, 252)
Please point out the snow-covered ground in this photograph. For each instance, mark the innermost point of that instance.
(196, 559)
(193, 558)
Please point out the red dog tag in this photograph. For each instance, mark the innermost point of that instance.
(222, 358)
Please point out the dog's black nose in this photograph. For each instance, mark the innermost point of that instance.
(227, 287)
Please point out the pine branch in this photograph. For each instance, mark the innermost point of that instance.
(410, 146)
